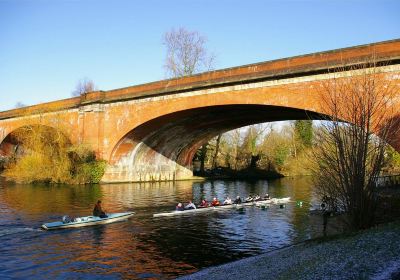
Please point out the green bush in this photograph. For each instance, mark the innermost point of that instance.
(91, 172)
(281, 154)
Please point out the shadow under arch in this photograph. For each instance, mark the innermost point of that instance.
(163, 148)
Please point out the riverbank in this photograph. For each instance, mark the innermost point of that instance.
(244, 174)
(368, 254)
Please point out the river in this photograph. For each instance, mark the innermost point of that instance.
(145, 247)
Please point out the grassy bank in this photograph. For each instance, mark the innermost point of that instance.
(369, 254)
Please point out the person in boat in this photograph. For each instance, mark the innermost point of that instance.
(98, 210)
(256, 198)
(215, 202)
(238, 200)
(249, 199)
(190, 205)
(227, 201)
(179, 207)
(266, 196)
(203, 204)
(67, 219)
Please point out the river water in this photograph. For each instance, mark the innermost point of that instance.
(145, 247)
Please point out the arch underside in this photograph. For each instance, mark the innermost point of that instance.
(13, 147)
(163, 148)
(8, 146)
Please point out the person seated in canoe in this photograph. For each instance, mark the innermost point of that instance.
(215, 202)
(203, 204)
(266, 196)
(190, 205)
(238, 200)
(179, 207)
(67, 219)
(98, 210)
(228, 201)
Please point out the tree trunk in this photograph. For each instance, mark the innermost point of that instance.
(203, 154)
(253, 162)
(214, 160)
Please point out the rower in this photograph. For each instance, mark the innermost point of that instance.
(238, 200)
(215, 202)
(203, 204)
(98, 210)
(256, 198)
(179, 207)
(190, 205)
(228, 201)
(249, 199)
(266, 196)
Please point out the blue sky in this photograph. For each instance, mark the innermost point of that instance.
(46, 47)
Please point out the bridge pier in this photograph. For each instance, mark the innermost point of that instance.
(146, 172)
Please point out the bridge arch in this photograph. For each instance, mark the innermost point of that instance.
(163, 148)
(10, 145)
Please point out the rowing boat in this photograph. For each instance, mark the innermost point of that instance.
(222, 207)
(273, 201)
(204, 209)
(88, 221)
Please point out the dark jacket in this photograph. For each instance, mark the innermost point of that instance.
(98, 211)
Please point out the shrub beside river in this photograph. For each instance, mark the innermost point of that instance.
(43, 154)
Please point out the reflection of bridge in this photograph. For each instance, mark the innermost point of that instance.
(151, 131)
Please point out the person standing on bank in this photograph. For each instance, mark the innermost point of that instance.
(98, 210)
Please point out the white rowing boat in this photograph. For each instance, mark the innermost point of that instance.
(204, 209)
(223, 207)
(88, 221)
(273, 201)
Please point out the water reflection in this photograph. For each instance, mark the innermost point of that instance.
(144, 247)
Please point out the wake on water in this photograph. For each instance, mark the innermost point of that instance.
(8, 231)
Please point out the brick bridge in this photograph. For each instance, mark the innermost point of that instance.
(152, 131)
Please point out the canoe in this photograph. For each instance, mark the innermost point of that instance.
(222, 207)
(88, 221)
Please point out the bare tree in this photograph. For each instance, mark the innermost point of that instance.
(186, 53)
(349, 155)
(84, 86)
(214, 159)
(19, 104)
(250, 145)
(202, 156)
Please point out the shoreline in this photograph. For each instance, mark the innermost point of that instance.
(369, 254)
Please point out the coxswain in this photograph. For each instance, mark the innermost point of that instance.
(215, 202)
(190, 205)
(238, 200)
(179, 207)
(228, 201)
